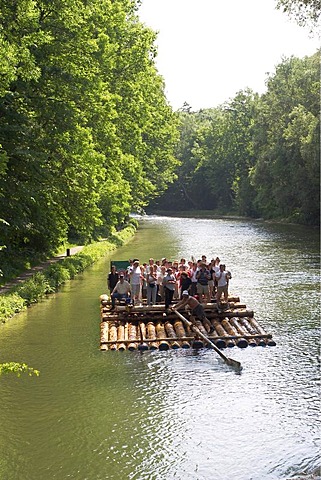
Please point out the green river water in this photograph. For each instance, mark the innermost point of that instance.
(180, 414)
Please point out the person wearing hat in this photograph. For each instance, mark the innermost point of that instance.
(121, 290)
(169, 283)
(197, 309)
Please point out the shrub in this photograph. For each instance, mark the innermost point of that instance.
(56, 274)
(10, 304)
(33, 289)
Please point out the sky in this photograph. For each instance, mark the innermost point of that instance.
(208, 50)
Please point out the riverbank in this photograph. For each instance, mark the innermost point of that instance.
(46, 278)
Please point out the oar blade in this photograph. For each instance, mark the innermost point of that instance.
(234, 363)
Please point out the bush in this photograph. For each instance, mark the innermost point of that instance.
(33, 289)
(56, 274)
(10, 305)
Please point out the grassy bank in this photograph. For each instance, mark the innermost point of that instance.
(50, 279)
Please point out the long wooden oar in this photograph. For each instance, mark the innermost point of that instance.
(227, 360)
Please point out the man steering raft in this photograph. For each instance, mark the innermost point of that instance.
(197, 309)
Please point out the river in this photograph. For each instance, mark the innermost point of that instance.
(180, 414)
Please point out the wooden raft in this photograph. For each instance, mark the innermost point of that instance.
(151, 328)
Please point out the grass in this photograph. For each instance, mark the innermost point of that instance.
(50, 279)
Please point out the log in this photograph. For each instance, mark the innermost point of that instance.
(142, 331)
(180, 332)
(249, 330)
(104, 329)
(219, 327)
(198, 342)
(241, 331)
(160, 333)
(169, 329)
(151, 335)
(113, 336)
(219, 342)
(240, 342)
(132, 336)
(121, 337)
(261, 331)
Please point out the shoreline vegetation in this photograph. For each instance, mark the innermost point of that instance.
(50, 279)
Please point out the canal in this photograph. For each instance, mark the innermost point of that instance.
(180, 414)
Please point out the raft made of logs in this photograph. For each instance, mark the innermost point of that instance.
(145, 327)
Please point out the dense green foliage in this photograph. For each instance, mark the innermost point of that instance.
(86, 133)
(51, 278)
(255, 155)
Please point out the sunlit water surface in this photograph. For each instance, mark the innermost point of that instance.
(180, 414)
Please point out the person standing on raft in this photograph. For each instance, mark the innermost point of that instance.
(196, 308)
(222, 278)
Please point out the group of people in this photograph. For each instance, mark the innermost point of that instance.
(164, 280)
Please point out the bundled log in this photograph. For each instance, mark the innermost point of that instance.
(127, 327)
(151, 335)
(249, 329)
(169, 329)
(142, 331)
(121, 337)
(113, 336)
(132, 336)
(219, 327)
(219, 342)
(104, 329)
(180, 332)
(219, 332)
(241, 331)
(240, 342)
(160, 333)
(198, 342)
(261, 331)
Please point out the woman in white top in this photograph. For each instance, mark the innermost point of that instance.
(136, 282)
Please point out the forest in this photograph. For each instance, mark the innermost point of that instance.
(257, 156)
(87, 136)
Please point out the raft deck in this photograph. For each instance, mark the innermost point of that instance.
(145, 327)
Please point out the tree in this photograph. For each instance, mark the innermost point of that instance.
(304, 12)
(286, 175)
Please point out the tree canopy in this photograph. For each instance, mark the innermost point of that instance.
(255, 155)
(86, 133)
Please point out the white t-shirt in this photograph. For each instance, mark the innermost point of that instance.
(135, 276)
(122, 288)
(221, 282)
